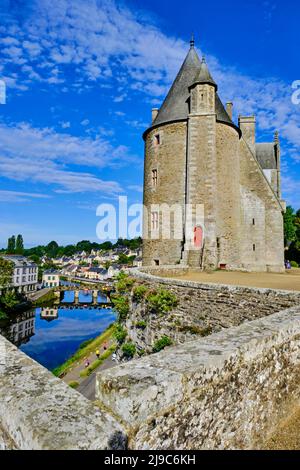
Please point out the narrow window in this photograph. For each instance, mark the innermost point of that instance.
(154, 220)
(156, 262)
(254, 247)
(253, 221)
(154, 177)
(157, 139)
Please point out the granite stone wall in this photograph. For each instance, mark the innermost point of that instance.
(226, 391)
(40, 412)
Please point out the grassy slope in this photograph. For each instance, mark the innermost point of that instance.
(83, 352)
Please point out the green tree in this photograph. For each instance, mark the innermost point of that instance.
(52, 249)
(69, 250)
(11, 245)
(19, 245)
(6, 272)
(9, 300)
(289, 225)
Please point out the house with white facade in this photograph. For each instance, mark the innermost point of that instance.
(25, 273)
(51, 278)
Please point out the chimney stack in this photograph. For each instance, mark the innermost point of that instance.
(229, 107)
(247, 126)
(154, 113)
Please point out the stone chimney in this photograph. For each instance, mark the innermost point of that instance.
(229, 107)
(154, 113)
(247, 126)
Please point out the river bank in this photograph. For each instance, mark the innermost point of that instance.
(71, 369)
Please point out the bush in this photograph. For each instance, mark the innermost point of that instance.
(162, 343)
(124, 284)
(121, 305)
(73, 384)
(294, 264)
(120, 333)
(162, 301)
(3, 315)
(9, 300)
(139, 293)
(128, 350)
(141, 324)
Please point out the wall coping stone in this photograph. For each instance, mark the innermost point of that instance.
(159, 381)
(38, 411)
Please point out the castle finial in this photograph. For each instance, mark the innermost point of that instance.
(276, 137)
(192, 41)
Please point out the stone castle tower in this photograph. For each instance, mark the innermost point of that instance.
(195, 156)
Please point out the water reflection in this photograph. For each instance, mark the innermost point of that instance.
(49, 313)
(20, 329)
(50, 335)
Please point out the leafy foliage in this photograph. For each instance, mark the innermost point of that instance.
(120, 333)
(142, 324)
(6, 272)
(292, 234)
(139, 293)
(128, 350)
(121, 305)
(162, 343)
(162, 301)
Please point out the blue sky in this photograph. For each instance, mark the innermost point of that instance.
(82, 77)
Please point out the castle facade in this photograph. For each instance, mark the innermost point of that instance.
(196, 156)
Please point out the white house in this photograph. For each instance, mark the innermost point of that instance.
(51, 278)
(25, 274)
(99, 274)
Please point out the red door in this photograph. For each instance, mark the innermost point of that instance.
(198, 237)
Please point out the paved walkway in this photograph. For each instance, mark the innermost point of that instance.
(87, 384)
(38, 294)
(285, 281)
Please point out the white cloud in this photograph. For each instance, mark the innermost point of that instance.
(17, 196)
(85, 122)
(45, 156)
(65, 124)
(105, 41)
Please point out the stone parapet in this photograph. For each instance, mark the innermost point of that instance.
(40, 412)
(226, 391)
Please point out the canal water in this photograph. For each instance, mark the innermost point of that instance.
(50, 335)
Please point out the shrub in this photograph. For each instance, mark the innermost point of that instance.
(120, 333)
(196, 330)
(9, 299)
(141, 324)
(3, 315)
(121, 305)
(162, 343)
(294, 264)
(124, 284)
(73, 384)
(162, 301)
(128, 350)
(139, 293)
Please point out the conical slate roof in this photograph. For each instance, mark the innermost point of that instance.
(175, 107)
(204, 76)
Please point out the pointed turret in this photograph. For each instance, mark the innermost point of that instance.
(204, 76)
(175, 106)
